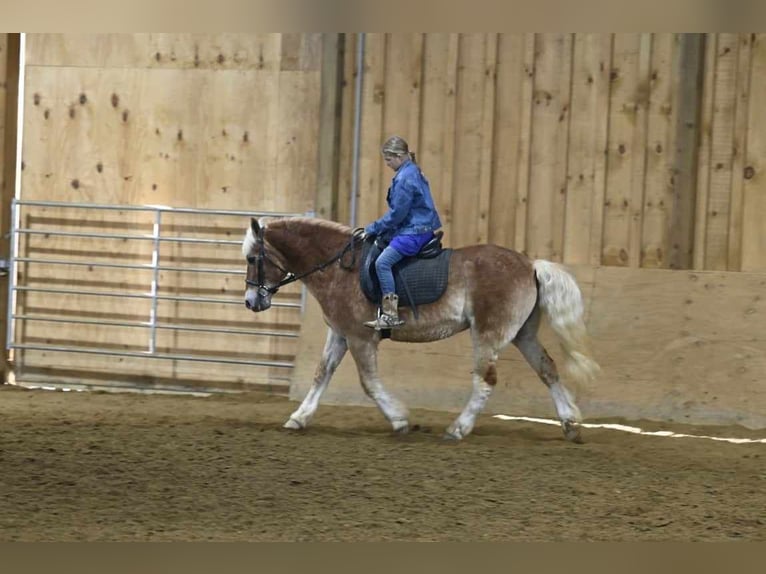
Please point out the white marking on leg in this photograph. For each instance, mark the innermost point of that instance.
(484, 380)
(365, 355)
(334, 351)
(463, 425)
(565, 407)
(543, 365)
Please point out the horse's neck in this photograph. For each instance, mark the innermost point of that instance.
(303, 250)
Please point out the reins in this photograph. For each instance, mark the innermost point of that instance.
(292, 277)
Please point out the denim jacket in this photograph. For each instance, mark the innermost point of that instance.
(411, 208)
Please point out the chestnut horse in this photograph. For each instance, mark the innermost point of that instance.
(495, 292)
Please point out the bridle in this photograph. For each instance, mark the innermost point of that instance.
(258, 260)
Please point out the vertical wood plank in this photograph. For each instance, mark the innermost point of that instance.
(348, 111)
(437, 120)
(371, 184)
(469, 139)
(403, 75)
(525, 142)
(602, 141)
(506, 164)
(401, 105)
(447, 191)
(627, 129)
(754, 189)
(638, 175)
(330, 99)
(488, 137)
(721, 158)
(739, 151)
(688, 101)
(548, 155)
(659, 154)
(590, 81)
(704, 164)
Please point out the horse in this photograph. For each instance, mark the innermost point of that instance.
(499, 294)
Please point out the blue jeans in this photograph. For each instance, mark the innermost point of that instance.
(383, 265)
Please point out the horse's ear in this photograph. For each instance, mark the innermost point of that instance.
(254, 226)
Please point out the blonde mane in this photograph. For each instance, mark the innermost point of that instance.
(249, 242)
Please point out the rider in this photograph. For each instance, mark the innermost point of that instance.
(409, 223)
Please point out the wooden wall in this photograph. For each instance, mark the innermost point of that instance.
(636, 151)
(630, 150)
(217, 121)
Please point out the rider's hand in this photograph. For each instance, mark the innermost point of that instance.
(360, 234)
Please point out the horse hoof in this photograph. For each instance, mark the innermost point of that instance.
(401, 427)
(292, 424)
(453, 433)
(572, 432)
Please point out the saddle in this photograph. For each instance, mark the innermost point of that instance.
(420, 279)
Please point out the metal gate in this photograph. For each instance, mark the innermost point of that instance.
(55, 245)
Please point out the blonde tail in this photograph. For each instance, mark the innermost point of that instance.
(561, 300)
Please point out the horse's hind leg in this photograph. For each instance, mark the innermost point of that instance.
(365, 353)
(539, 359)
(334, 350)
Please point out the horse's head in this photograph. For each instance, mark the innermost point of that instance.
(264, 274)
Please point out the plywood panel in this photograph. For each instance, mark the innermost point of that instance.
(128, 136)
(188, 51)
(234, 134)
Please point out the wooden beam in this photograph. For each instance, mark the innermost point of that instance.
(9, 94)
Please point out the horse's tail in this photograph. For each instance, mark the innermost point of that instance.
(560, 298)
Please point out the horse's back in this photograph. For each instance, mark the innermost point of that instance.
(490, 262)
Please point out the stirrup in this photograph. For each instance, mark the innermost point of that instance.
(384, 321)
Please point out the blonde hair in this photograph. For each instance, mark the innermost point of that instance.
(397, 145)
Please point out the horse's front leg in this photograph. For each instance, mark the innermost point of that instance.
(365, 353)
(334, 350)
(484, 381)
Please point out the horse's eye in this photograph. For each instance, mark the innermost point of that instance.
(251, 259)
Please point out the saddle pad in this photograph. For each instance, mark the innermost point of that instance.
(426, 279)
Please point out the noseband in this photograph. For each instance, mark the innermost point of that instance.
(257, 260)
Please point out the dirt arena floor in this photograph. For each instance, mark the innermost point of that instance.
(135, 467)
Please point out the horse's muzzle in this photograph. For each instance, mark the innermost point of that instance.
(257, 301)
